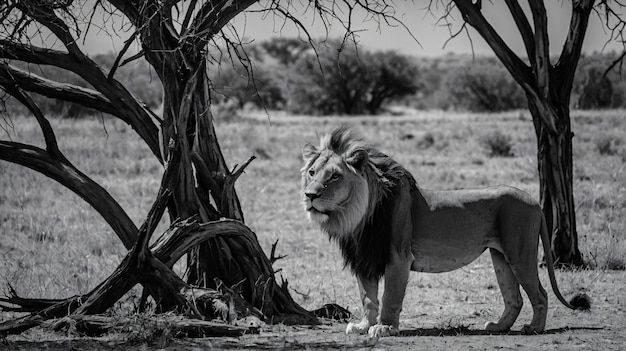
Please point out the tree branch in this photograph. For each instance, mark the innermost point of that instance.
(542, 65)
(190, 9)
(228, 190)
(168, 249)
(48, 18)
(128, 108)
(116, 64)
(522, 74)
(472, 15)
(69, 176)
(48, 133)
(568, 60)
(130, 8)
(12, 76)
(210, 20)
(33, 54)
(524, 28)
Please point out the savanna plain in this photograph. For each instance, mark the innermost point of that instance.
(54, 245)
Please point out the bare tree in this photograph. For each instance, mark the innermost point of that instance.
(177, 38)
(548, 87)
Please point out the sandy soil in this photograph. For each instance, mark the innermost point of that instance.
(452, 327)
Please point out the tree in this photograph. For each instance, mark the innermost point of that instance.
(197, 188)
(285, 50)
(548, 88)
(483, 86)
(395, 76)
(344, 79)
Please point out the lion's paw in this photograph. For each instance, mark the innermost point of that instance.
(382, 330)
(357, 328)
(493, 327)
(530, 330)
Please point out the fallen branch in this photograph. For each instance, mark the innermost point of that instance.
(169, 248)
(96, 325)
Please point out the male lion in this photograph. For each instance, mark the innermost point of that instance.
(386, 226)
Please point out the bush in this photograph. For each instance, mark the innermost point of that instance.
(344, 80)
(498, 144)
(231, 82)
(600, 91)
(608, 145)
(482, 86)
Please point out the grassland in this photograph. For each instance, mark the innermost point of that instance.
(53, 245)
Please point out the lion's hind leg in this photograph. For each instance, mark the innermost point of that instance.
(509, 288)
(527, 274)
(528, 277)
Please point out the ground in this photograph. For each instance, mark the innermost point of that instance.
(55, 246)
(424, 326)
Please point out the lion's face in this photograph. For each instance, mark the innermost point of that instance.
(334, 189)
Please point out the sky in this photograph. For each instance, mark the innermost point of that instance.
(424, 35)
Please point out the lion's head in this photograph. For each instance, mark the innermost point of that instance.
(335, 188)
(350, 189)
(341, 181)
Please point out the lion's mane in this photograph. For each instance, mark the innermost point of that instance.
(366, 248)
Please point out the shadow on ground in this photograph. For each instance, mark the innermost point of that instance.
(456, 331)
(314, 339)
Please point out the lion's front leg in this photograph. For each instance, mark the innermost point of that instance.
(368, 288)
(396, 279)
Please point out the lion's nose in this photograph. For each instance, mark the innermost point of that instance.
(312, 195)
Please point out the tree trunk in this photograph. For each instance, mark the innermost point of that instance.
(548, 89)
(204, 189)
(554, 154)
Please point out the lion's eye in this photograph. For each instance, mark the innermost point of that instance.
(335, 176)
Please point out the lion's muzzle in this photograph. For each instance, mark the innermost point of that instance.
(312, 194)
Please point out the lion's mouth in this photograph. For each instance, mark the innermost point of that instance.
(314, 210)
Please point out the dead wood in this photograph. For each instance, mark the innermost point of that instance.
(154, 274)
(176, 326)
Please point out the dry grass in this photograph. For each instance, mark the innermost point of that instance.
(55, 246)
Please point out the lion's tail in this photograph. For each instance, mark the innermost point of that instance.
(580, 301)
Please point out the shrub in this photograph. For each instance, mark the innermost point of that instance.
(498, 144)
(426, 141)
(607, 145)
(594, 88)
(482, 86)
(597, 91)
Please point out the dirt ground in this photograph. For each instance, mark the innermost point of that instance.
(457, 326)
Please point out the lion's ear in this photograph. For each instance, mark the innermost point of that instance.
(309, 151)
(358, 159)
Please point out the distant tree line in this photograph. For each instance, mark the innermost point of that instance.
(333, 77)
(339, 78)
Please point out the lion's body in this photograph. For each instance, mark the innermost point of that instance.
(386, 226)
(483, 218)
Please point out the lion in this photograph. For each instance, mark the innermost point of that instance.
(385, 225)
